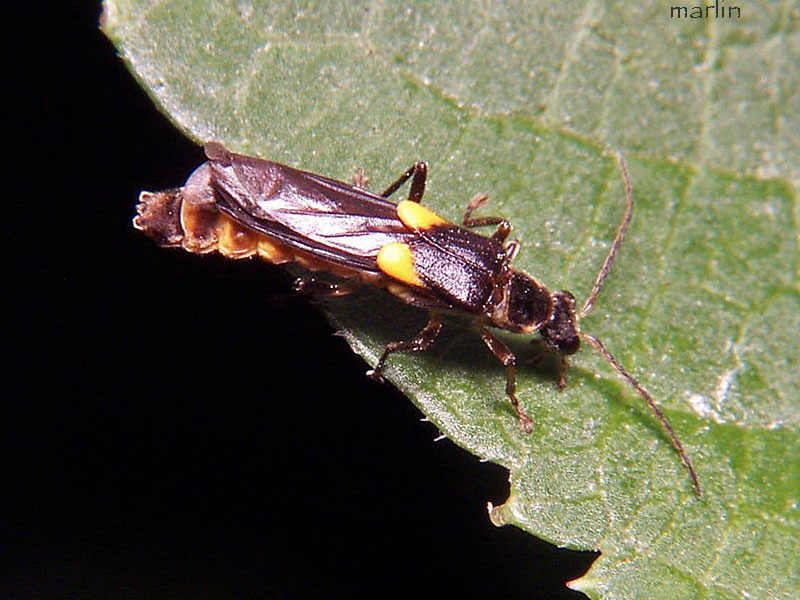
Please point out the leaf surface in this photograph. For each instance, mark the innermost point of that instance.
(522, 100)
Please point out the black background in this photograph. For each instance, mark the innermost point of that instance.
(182, 426)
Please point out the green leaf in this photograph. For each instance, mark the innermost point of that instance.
(521, 100)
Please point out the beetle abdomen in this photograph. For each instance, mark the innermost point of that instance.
(201, 228)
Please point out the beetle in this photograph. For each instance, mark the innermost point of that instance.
(241, 206)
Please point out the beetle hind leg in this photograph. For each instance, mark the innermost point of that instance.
(421, 341)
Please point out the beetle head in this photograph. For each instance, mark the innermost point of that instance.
(561, 332)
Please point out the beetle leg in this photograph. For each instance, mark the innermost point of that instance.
(477, 201)
(421, 341)
(360, 179)
(312, 286)
(420, 173)
(562, 371)
(505, 356)
(543, 350)
(503, 226)
(511, 248)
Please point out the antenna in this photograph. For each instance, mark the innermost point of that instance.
(598, 345)
(676, 443)
(612, 255)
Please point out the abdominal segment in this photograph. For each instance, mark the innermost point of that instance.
(200, 228)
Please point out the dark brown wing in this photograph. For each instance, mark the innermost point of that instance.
(459, 267)
(328, 218)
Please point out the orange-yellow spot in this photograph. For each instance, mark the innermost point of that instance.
(396, 261)
(235, 241)
(273, 252)
(417, 217)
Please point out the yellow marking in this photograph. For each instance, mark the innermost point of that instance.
(273, 252)
(235, 241)
(417, 217)
(396, 261)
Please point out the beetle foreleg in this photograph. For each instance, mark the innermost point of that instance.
(421, 341)
(562, 371)
(420, 173)
(544, 350)
(505, 356)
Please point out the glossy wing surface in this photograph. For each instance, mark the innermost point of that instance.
(330, 219)
(459, 266)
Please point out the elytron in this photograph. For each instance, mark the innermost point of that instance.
(242, 206)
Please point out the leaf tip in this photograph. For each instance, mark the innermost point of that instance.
(497, 514)
(586, 585)
(109, 17)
